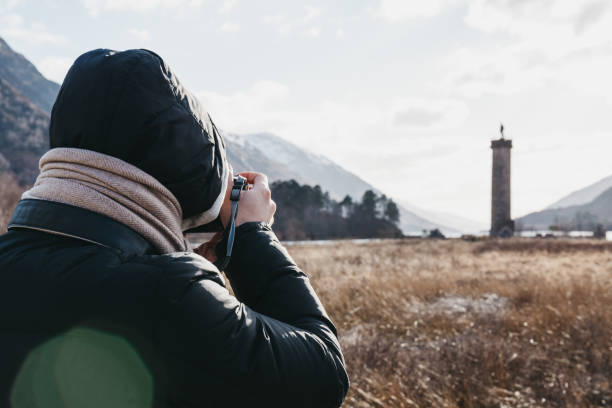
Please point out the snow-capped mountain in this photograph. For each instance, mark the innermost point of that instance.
(245, 156)
(310, 168)
(282, 160)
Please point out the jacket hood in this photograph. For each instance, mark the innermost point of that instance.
(131, 105)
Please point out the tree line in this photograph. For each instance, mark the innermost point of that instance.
(305, 212)
(581, 221)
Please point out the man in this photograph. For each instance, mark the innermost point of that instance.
(102, 302)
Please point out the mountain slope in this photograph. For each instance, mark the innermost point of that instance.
(315, 169)
(26, 98)
(597, 211)
(23, 134)
(22, 75)
(244, 156)
(282, 160)
(584, 195)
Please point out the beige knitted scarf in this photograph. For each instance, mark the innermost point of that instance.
(112, 187)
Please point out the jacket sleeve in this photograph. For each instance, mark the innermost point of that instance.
(271, 345)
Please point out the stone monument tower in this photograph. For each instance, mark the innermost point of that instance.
(501, 223)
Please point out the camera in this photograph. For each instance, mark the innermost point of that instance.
(240, 184)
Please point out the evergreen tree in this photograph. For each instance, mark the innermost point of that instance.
(347, 206)
(381, 204)
(392, 212)
(368, 205)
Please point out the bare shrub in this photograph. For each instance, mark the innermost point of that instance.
(417, 330)
(10, 193)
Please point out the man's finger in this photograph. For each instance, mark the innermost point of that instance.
(255, 178)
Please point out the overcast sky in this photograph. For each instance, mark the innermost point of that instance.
(407, 94)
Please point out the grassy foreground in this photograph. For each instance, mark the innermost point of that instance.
(518, 323)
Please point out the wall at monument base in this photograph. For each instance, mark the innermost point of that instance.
(505, 230)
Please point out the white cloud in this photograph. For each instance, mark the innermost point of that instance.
(280, 22)
(312, 32)
(229, 27)
(140, 34)
(227, 6)
(274, 19)
(556, 27)
(543, 42)
(311, 13)
(339, 32)
(95, 7)
(429, 115)
(399, 10)
(300, 24)
(506, 70)
(6, 5)
(14, 27)
(55, 67)
(92, 7)
(247, 110)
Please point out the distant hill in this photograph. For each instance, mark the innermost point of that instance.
(23, 134)
(315, 168)
(26, 98)
(584, 195)
(584, 217)
(246, 156)
(22, 75)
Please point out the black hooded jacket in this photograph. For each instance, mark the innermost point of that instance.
(91, 316)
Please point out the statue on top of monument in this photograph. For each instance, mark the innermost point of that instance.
(501, 130)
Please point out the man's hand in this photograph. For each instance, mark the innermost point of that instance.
(256, 203)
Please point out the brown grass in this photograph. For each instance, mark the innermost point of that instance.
(10, 192)
(518, 323)
(550, 245)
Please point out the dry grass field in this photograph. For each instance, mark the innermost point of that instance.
(517, 323)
